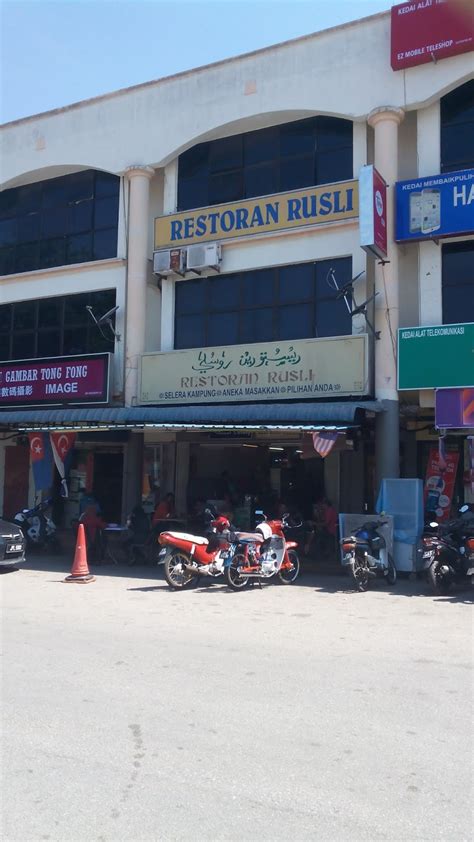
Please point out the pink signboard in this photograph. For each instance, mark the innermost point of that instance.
(55, 380)
(454, 408)
(429, 30)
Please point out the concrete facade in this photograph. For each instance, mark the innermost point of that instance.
(138, 134)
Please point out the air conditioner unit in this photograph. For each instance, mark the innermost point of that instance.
(203, 256)
(169, 262)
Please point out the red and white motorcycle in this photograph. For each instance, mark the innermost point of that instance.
(263, 554)
(186, 557)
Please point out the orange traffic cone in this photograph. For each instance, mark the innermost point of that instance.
(80, 568)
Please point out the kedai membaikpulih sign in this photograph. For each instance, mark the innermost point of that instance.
(436, 206)
(298, 208)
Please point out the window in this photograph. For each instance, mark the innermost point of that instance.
(54, 327)
(458, 282)
(64, 220)
(291, 302)
(287, 157)
(457, 129)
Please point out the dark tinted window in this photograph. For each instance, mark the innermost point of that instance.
(457, 129)
(291, 302)
(300, 154)
(64, 220)
(55, 326)
(458, 283)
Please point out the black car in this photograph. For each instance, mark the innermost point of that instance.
(12, 544)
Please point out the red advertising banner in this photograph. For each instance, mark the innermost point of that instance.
(427, 30)
(55, 380)
(439, 484)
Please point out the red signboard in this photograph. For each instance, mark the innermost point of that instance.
(439, 484)
(373, 211)
(427, 30)
(55, 380)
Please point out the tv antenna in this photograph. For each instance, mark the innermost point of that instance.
(347, 293)
(106, 319)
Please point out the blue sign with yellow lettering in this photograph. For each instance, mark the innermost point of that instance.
(314, 205)
(435, 207)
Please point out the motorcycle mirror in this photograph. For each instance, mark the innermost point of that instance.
(464, 509)
(433, 523)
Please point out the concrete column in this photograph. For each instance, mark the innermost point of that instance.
(170, 189)
(137, 268)
(133, 473)
(385, 122)
(167, 314)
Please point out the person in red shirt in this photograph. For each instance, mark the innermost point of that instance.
(164, 510)
(94, 525)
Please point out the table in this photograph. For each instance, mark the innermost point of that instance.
(113, 529)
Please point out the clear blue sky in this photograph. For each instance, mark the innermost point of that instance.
(61, 51)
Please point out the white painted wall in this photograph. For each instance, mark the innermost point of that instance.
(343, 71)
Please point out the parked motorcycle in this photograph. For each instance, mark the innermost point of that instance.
(186, 557)
(263, 554)
(39, 529)
(448, 552)
(366, 555)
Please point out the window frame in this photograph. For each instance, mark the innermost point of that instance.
(462, 121)
(207, 305)
(320, 130)
(43, 222)
(12, 335)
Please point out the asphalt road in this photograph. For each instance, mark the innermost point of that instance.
(289, 713)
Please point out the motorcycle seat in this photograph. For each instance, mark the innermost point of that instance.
(185, 536)
(249, 537)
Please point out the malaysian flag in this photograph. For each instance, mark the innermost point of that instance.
(323, 442)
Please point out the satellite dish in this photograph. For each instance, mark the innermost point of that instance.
(106, 319)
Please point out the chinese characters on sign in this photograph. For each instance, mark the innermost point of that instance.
(55, 380)
(306, 368)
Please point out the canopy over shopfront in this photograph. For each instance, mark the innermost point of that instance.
(298, 416)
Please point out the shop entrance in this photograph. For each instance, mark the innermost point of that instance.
(107, 484)
(15, 487)
(242, 475)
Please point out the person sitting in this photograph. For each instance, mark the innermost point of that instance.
(164, 510)
(94, 525)
(323, 523)
(139, 531)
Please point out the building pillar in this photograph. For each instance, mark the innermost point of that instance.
(137, 270)
(133, 473)
(385, 122)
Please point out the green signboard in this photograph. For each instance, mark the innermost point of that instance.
(436, 357)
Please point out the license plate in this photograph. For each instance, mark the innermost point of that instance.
(14, 548)
(429, 554)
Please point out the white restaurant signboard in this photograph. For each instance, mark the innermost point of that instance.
(295, 370)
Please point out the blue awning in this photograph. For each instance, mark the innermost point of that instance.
(289, 416)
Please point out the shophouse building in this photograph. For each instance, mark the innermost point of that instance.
(215, 216)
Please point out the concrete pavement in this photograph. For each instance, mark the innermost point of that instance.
(308, 712)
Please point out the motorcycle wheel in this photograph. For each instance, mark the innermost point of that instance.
(177, 577)
(288, 575)
(392, 571)
(360, 573)
(440, 583)
(234, 579)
